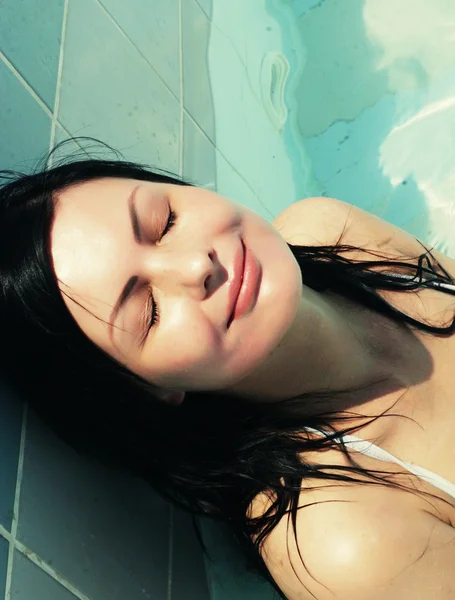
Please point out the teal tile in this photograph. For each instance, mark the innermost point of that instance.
(228, 576)
(104, 532)
(30, 33)
(111, 93)
(153, 27)
(233, 186)
(246, 137)
(197, 93)
(207, 7)
(69, 150)
(10, 438)
(189, 579)
(199, 156)
(4, 550)
(29, 581)
(24, 125)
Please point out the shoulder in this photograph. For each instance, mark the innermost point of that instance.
(323, 221)
(317, 216)
(365, 542)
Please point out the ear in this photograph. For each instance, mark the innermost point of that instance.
(171, 397)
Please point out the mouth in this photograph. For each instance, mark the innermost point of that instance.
(244, 287)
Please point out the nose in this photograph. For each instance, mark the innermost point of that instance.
(185, 271)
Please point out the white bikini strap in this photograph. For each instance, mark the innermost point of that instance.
(370, 449)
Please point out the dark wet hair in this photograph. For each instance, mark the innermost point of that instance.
(212, 455)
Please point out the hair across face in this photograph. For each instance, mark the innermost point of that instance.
(177, 256)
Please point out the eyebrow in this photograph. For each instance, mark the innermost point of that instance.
(133, 216)
(131, 284)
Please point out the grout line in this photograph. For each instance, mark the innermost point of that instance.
(14, 543)
(57, 122)
(29, 88)
(181, 88)
(12, 537)
(59, 79)
(212, 24)
(205, 13)
(5, 533)
(228, 162)
(108, 14)
(39, 562)
(69, 135)
(183, 110)
(171, 552)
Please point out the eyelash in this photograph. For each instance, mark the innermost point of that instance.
(155, 313)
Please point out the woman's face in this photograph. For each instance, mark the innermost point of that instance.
(125, 250)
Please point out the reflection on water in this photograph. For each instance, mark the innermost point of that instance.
(376, 108)
(340, 78)
(415, 38)
(417, 50)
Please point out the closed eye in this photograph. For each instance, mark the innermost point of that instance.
(152, 306)
(170, 223)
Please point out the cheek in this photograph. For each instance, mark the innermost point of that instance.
(186, 355)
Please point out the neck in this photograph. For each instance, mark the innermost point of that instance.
(335, 344)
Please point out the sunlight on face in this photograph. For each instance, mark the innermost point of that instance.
(187, 260)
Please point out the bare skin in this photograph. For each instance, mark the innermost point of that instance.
(379, 543)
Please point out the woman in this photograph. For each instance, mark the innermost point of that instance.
(164, 329)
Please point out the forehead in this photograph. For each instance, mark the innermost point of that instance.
(91, 198)
(85, 216)
(90, 239)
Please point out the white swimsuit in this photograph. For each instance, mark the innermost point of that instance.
(370, 449)
(374, 451)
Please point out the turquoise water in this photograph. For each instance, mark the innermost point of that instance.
(368, 100)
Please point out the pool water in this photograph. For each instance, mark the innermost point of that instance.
(353, 99)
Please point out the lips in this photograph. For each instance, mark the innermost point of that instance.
(244, 288)
(236, 283)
